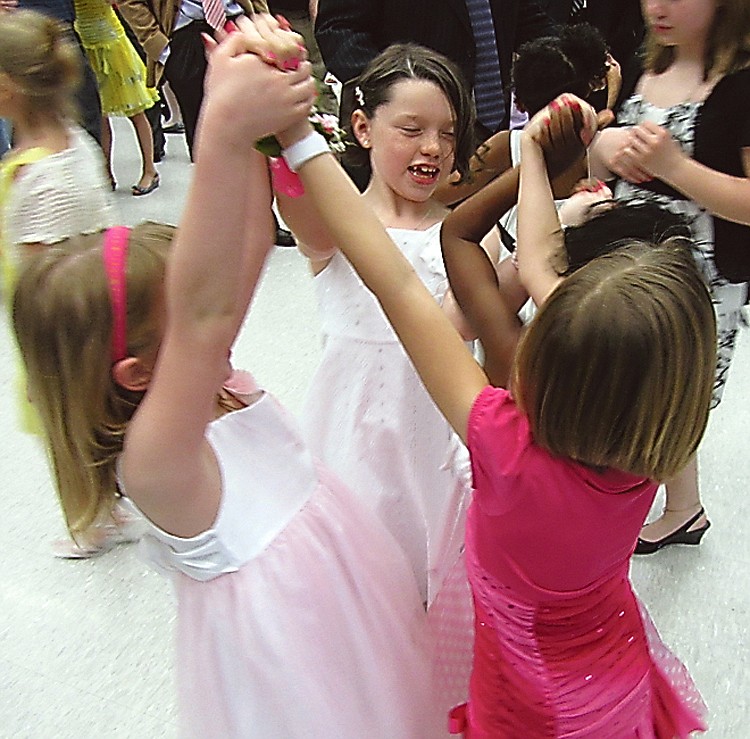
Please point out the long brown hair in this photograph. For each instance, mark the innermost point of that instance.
(62, 319)
(728, 47)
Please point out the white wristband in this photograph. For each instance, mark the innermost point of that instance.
(313, 145)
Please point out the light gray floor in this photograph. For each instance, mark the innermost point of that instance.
(85, 647)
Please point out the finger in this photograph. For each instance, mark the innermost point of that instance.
(604, 118)
(209, 44)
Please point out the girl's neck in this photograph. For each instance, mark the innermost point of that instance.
(393, 211)
(47, 132)
(683, 81)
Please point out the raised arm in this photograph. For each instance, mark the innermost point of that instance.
(217, 258)
(491, 160)
(473, 278)
(556, 133)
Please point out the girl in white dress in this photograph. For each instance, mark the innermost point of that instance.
(298, 616)
(368, 415)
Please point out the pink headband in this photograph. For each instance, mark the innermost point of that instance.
(115, 259)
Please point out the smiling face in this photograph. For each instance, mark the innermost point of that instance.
(679, 22)
(410, 138)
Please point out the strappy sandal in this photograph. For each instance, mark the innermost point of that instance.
(137, 190)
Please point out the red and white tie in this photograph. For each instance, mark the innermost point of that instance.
(215, 14)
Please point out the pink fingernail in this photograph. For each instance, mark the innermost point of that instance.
(290, 65)
(230, 26)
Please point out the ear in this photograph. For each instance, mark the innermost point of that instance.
(132, 373)
(361, 128)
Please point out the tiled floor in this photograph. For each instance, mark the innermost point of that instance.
(85, 647)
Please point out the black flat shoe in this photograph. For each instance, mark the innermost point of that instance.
(682, 536)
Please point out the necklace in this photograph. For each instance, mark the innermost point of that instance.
(429, 212)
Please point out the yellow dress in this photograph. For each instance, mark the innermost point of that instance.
(120, 73)
(27, 415)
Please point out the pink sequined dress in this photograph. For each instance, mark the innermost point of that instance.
(563, 646)
(298, 616)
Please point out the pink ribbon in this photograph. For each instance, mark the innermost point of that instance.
(284, 180)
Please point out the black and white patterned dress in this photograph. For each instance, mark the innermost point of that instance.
(728, 298)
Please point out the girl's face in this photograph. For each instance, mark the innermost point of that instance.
(679, 22)
(410, 139)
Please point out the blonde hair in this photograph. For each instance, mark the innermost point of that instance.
(616, 370)
(728, 47)
(62, 319)
(39, 57)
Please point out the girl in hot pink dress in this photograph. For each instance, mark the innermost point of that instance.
(611, 385)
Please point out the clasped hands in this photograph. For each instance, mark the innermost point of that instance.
(259, 81)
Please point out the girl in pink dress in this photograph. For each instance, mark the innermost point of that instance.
(610, 392)
(298, 616)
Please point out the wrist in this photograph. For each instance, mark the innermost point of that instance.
(292, 135)
(309, 147)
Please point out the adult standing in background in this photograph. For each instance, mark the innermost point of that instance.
(480, 36)
(301, 16)
(170, 33)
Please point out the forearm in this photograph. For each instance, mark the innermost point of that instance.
(540, 237)
(491, 160)
(473, 219)
(214, 258)
(301, 216)
(603, 148)
(721, 194)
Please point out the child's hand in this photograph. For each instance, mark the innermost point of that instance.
(587, 198)
(247, 98)
(275, 43)
(652, 149)
(562, 130)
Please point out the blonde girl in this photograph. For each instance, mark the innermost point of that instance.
(297, 614)
(685, 144)
(51, 185)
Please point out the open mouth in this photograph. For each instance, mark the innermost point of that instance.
(424, 172)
